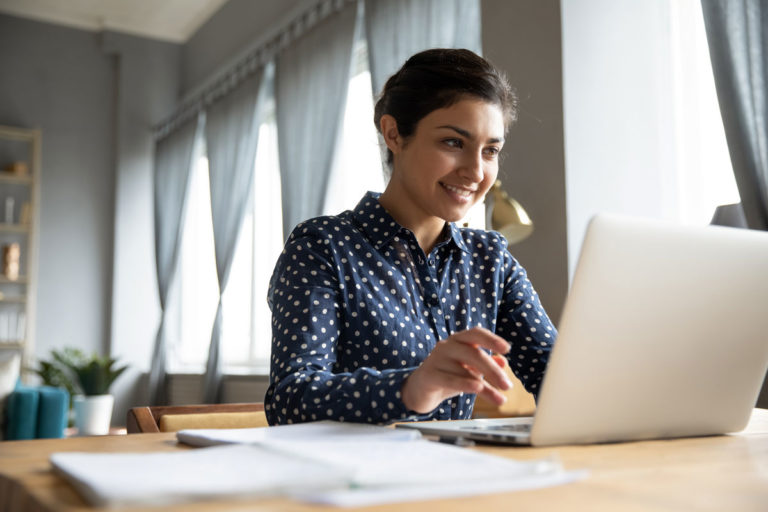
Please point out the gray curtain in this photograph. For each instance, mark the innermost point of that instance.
(173, 163)
(396, 29)
(311, 79)
(231, 135)
(737, 32)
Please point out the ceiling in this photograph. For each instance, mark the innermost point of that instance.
(168, 20)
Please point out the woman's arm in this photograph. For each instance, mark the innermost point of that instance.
(523, 322)
(306, 383)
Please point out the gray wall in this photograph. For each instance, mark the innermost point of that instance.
(234, 29)
(95, 96)
(146, 92)
(57, 79)
(523, 39)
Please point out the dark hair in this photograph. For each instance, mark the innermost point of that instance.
(438, 78)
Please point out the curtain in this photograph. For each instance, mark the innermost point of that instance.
(231, 134)
(737, 33)
(311, 79)
(396, 29)
(173, 163)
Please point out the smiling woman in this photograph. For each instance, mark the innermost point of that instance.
(389, 311)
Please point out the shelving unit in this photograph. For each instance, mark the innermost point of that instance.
(19, 227)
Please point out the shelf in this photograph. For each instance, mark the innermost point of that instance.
(21, 179)
(15, 300)
(21, 183)
(20, 280)
(13, 228)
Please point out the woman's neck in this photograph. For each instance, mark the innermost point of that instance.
(427, 229)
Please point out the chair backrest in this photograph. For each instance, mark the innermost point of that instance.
(171, 418)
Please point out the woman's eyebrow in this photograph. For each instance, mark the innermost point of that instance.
(465, 133)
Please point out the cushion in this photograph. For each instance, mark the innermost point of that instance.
(52, 412)
(21, 411)
(176, 422)
(10, 364)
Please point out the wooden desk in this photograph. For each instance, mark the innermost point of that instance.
(715, 473)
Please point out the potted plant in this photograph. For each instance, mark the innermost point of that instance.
(88, 379)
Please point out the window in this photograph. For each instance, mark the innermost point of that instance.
(705, 175)
(196, 288)
(247, 329)
(357, 163)
(246, 318)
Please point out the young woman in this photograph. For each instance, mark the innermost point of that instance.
(390, 312)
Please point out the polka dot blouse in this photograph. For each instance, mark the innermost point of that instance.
(357, 306)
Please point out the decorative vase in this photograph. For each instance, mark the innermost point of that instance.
(93, 414)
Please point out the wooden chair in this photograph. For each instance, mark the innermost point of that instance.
(171, 418)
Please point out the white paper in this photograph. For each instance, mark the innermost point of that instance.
(319, 430)
(191, 475)
(326, 462)
(362, 497)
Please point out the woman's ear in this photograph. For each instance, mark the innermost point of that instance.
(388, 127)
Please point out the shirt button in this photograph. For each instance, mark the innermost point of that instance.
(431, 263)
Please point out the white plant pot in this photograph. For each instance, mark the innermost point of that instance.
(93, 414)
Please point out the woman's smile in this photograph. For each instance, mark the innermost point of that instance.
(444, 168)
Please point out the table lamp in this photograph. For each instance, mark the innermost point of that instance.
(506, 215)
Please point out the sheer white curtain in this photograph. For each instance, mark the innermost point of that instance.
(174, 157)
(311, 82)
(231, 132)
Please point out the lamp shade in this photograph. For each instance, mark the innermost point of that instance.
(506, 215)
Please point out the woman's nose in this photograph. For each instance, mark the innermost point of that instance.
(472, 166)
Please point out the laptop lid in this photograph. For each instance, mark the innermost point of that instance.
(664, 334)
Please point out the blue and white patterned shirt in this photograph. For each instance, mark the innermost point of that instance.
(357, 306)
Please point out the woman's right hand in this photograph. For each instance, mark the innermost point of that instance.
(456, 365)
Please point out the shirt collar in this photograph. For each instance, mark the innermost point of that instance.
(381, 227)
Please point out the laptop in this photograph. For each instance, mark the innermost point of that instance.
(664, 334)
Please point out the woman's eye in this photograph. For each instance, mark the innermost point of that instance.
(454, 143)
(492, 151)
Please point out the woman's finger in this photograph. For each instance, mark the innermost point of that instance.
(492, 394)
(482, 338)
(481, 364)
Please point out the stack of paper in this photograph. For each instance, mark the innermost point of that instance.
(325, 462)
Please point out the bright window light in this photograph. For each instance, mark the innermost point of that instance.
(357, 165)
(247, 319)
(705, 175)
(198, 287)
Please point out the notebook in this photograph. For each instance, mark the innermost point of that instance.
(664, 334)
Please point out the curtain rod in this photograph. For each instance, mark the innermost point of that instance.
(225, 81)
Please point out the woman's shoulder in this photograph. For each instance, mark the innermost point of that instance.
(325, 227)
(477, 239)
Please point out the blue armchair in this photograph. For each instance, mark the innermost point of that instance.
(36, 412)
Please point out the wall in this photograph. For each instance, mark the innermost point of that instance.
(57, 79)
(231, 32)
(523, 39)
(95, 96)
(146, 92)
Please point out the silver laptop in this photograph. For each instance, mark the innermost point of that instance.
(664, 334)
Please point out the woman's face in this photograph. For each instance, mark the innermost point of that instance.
(451, 160)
